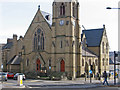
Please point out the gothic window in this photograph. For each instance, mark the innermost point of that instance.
(103, 47)
(27, 62)
(62, 9)
(42, 41)
(39, 40)
(82, 62)
(35, 41)
(107, 62)
(106, 47)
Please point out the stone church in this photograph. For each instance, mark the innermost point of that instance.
(55, 43)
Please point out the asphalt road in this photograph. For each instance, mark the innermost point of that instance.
(55, 85)
(100, 88)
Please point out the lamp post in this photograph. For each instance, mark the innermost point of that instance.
(115, 54)
(111, 8)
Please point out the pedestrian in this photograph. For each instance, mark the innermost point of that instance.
(105, 78)
(98, 76)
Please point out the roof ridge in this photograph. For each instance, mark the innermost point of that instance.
(93, 29)
(88, 50)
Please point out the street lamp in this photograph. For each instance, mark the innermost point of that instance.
(111, 8)
(115, 54)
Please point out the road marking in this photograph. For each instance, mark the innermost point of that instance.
(33, 81)
(7, 83)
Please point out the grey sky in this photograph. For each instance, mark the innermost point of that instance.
(16, 16)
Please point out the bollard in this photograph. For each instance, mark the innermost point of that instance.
(20, 80)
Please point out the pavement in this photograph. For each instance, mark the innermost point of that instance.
(79, 83)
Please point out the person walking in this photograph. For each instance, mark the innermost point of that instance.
(105, 78)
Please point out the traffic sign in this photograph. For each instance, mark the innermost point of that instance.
(90, 71)
(50, 67)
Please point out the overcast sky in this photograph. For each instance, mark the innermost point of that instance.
(16, 16)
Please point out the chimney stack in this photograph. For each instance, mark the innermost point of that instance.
(14, 37)
(21, 38)
(9, 40)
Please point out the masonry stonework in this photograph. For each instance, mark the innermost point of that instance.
(58, 45)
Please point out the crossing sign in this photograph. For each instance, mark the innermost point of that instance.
(90, 71)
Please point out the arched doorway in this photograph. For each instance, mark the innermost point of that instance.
(62, 66)
(38, 65)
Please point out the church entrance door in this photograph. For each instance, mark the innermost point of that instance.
(38, 65)
(62, 66)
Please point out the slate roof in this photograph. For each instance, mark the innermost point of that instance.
(93, 36)
(8, 45)
(87, 52)
(15, 60)
(50, 16)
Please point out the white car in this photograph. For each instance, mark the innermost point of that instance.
(17, 74)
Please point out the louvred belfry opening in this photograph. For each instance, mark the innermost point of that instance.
(62, 64)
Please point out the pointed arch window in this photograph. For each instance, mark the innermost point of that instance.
(39, 40)
(82, 62)
(62, 9)
(102, 47)
(106, 47)
(107, 62)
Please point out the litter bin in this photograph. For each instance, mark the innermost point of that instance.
(20, 80)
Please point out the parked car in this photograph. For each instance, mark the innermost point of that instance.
(3, 76)
(10, 75)
(17, 74)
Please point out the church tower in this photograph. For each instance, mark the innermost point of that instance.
(66, 37)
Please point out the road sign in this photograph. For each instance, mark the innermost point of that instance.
(50, 67)
(90, 71)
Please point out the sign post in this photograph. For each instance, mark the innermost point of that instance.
(90, 76)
